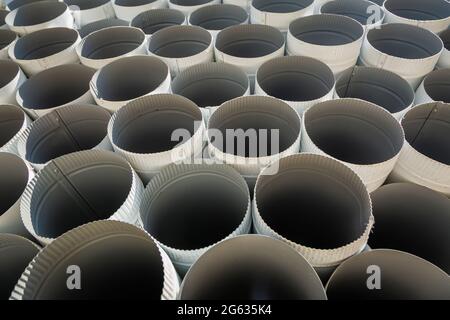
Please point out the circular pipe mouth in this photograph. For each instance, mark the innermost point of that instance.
(121, 251)
(152, 21)
(425, 126)
(111, 42)
(232, 270)
(419, 10)
(65, 130)
(76, 189)
(405, 41)
(189, 3)
(199, 83)
(15, 255)
(53, 88)
(315, 202)
(413, 219)
(3, 14)
(36, 13)
(326, 30)
(179, 41)
(287, 6)
(13, 120)
(295, 78)
(268, 126)
(381, 87)
(362, 11)
(13, 5)
(403, 277)
(6, 38)
(101, 24)
(146, 125)
(207, 215)
(354, 131)
(86, 4)
(437, 85)
(13, 180)
(44, 43)
(249, 41)
(10, 70)
(128, 78)
(218, 16)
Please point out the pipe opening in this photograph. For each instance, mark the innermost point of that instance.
(419, 10)
(3, 14)
(314, 202)
(82, 192)
(218, 17)
(13, 180)
(199, 84)
(154, 20)
(404, 41)
(249, 41)
(12, 120)
(133, 3)
(382, 87)
(445, 37)
(66, 130)
(6, 38)
(425, 126)
(354, 131)
(326, 30)
(437, 85)
(52, 87)
(233, 269)
(180, 41)
(361, 11)
(9, 71)
(38, 12)
(285, 6)
(101, 24)
(189, 3)
(44, 43)
(112, 42)
(86, 4)
(13, 5)
(295, 78)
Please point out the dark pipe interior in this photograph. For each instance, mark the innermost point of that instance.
(128, 78)
(13, 180)
(38, 12)
(437, 85)
(9, 70)
(179, 41)
(425, 128)
(218, 17)
(418, 9)
(78, 196)
(405, 41)
(249, 41)
(312, 208)
(52, 87)
(378, 86)
(403, 277)
(445, 37)
(277, 6)
(3, 14)
(112, 42)
(12, 119)
(243, 269)
(326, 30)
(292, 79)
(44, 43)
(155, 20)
(66, 130)
(133, 3)
(360, 11)
(413, 219)
(354, 137)
(6, 38)
(101, 24)
(189, 2)
(86, 4)
(19, 3)
(206, 216)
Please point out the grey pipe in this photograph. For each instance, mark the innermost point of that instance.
(88, 11)
(101, 24)
(7, 37)
(3, 14)
(435, 87)
(241, 269)
(154, 20)
(363, 11)
(14, 123)
(11, 79)
(14, 4)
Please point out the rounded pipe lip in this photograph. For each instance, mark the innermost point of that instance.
(39, 15)
(73, 176)
(15, 4)
(248, 46)
(361, 11)
(102, 46)
(96, 239)
(299, 81)
(340, 180)
(199, 83)
(254, 113)
(11, 78)
(379, 86)
(45, 48)
(101, 24)
(189, 6)
(433, 15)
(217, 17)
(185, 249)
(403, 268)
(413, 219)
(68, 129)
(154, 20)
(43, 92)
(129, 9)
(14, 123)
(252, 251)
(435, 87)
(88, 11)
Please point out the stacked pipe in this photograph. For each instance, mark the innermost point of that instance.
(14, 123)
(154, 20)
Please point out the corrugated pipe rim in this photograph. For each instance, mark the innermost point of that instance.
(362, 10)
(101, 24)
(218, 16)
(96, 185)
(13, 124)
(152, 21)
(91, 239)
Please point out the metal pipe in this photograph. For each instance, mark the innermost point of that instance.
(128, 9)
(154, 20)
(11, 79)
(189, 6)
(88, 11)
(99, 25)
(14, 123)
(434, 87)
(7, 37)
